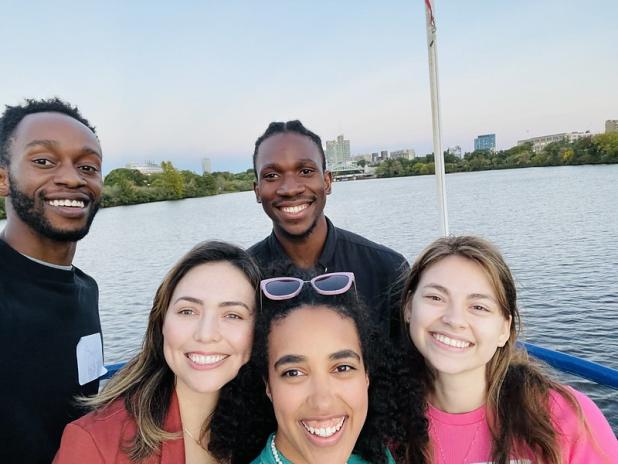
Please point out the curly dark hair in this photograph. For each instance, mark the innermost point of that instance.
(252, 411)
(13, 115)
(409, 399)
(239, 426)
(283, 127)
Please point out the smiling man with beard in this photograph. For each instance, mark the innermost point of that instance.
(292, 183)
(50, 333)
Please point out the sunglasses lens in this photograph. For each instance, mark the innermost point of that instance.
(331, 283)
(282, 287)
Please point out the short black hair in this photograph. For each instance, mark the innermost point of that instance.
(13, 115)
(283, 127)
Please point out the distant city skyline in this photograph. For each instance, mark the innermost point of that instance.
(177, 82)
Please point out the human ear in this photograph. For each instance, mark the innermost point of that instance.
(268, 390)
(4, 182)
(506, 332)
(256, 190)
(328, 181)
(407, 310)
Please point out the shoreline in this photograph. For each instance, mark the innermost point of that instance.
(483, 168)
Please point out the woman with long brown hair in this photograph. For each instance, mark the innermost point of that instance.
(485, 401)
(168, 403)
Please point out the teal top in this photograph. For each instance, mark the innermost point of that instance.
(266, 456)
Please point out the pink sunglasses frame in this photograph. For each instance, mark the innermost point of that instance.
(270, 296)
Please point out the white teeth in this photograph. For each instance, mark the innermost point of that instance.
(203, 359)
(295, 209)
(451, 341)
(70, 203)
(324, 432)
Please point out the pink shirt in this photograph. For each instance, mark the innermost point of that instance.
(465, 438)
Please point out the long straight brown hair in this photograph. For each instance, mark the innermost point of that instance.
(518, 390)
(146, 382)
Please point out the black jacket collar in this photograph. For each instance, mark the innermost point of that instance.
(328, 250)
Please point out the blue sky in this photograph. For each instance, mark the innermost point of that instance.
(183, 81)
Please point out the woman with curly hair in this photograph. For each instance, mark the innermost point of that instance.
(320, 361)
(168, 403)
(484, 399)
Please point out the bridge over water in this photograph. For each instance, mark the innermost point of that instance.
(351, 173)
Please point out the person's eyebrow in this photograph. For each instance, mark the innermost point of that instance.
(198, 301)
(300, 162)
(54, 144)
(307, 160)
(189, 299)
(235, 303)
(268, 169)
(45, 143)
(438, 287)
(483, 296)
(344, 354)
(91, 151)
(471, 296)
(289, 359)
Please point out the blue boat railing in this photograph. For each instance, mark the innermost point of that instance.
(111, 370)
(564, 362)
(573, 365)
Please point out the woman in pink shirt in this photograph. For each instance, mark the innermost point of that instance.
(486, 402)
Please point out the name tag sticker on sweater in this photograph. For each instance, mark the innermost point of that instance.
(90, 358)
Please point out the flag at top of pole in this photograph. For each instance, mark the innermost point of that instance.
(431, 19)
(435, 113)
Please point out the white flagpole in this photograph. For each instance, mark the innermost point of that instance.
(435, 112)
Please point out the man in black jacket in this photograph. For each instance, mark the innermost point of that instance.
(50, 333)
(292, 183)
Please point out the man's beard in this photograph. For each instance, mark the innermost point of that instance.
(34, 216)
(303, 235)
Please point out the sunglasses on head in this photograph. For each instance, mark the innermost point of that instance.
(284, 288)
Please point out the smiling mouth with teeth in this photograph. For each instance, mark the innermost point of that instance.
(328, 429)
(206, 359)
(67, 203)
(294, 209)
(451, 341)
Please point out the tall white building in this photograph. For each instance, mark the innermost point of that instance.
(337, 152)
(611, 125)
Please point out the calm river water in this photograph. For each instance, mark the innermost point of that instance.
(557, 227)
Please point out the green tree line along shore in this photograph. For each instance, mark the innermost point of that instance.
(597, 149)
(129, 186)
